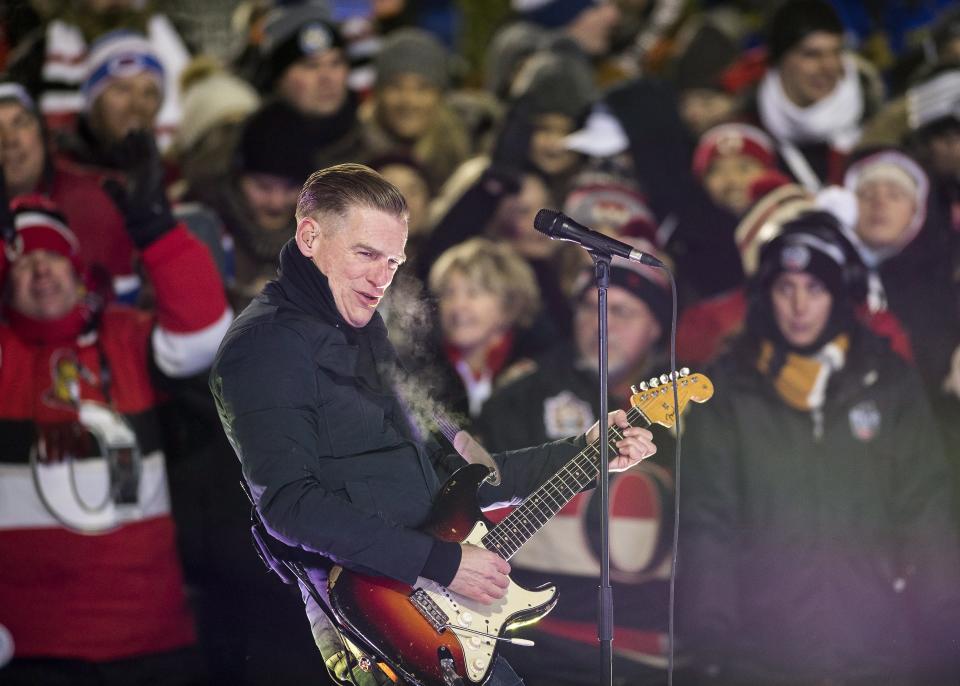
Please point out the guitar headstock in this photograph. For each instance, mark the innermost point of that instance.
(654, 397)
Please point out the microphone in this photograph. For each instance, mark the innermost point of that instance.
(559, 226)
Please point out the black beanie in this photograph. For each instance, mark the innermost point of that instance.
(794, 20)
(811, 243)
(291, 34)
(276, 140)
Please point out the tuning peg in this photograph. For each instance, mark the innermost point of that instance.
(644, 386)
(654, 382)
(633, 390)
(664, 378)
(684, 371)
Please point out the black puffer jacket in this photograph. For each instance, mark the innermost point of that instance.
(333, 462)
(808, 560)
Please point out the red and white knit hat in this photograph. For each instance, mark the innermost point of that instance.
(732, 139)
(40, 226)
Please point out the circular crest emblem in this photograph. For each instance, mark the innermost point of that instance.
(795, 258)
(315, 38)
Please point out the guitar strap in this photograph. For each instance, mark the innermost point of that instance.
(351, 665)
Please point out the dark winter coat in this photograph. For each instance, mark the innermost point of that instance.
(333, 462)
(811, 559)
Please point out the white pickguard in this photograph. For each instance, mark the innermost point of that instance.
(488, 619)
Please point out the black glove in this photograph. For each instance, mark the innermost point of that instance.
(143, 199)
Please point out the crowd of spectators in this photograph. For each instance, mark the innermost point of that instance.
(147, 188)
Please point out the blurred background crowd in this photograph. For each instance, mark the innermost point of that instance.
(152, 154)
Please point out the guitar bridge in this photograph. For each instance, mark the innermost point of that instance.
(429, 609)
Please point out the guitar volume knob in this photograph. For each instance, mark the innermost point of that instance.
(466, 618)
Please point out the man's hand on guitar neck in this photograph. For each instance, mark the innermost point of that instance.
(637, 443)
(481, 576)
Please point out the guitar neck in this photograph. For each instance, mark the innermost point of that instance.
(515, 529)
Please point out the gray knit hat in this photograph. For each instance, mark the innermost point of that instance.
(413, 50)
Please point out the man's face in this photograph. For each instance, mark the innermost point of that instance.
(593, 27)
(414, 189)
(43, 285)
(728, 180)
(272, 200)
(885, 211)
(547, 151)
(407, 105)
(801, 307)
(127, 104)
(471, 317)
(632, 330)
(812, 68)
(316, 85)
(702, 108)
(359, 259)
(21, 148)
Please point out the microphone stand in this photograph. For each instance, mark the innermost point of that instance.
(601, 263)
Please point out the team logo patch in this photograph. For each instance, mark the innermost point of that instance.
(315, 38)
(566, 415)
(66, 373)
(795, 258)
(865, 420)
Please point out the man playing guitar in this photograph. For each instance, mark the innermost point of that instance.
(305, 386)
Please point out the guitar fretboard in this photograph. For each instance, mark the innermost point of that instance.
(515, 529)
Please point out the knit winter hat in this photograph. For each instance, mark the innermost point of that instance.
(116, 55)
(649, 284)
(777, 201)
(40, 226)
(812, 243)
(550, 14)
(292, 33)
(210, 96)
(550, 84)
(415, 51)
(275, 140)
(13, 91)
(510, 46)
(603, 202)
(733, 139)
(794, 20)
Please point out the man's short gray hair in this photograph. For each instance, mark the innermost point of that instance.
(335, 190)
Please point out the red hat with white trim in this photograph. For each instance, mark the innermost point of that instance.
(733, 139)
(40, 226)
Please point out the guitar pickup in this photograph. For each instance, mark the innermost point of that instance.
(427, 607)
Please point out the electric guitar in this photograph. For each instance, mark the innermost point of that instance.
(431, 636)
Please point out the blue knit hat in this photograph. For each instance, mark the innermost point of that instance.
(117, 55)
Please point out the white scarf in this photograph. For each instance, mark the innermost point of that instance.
(835, 119)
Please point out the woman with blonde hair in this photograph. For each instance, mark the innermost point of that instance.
(488, 298)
